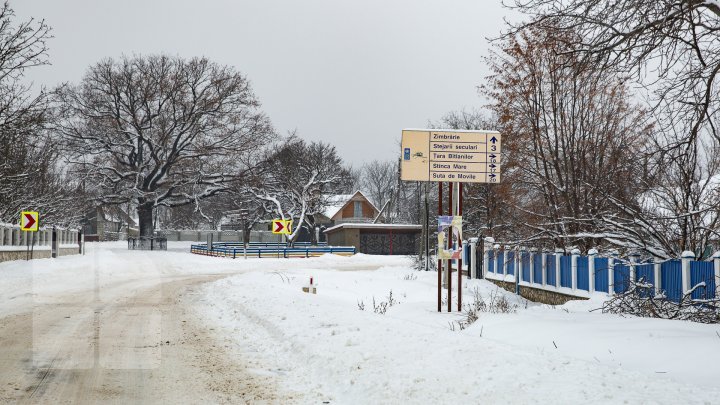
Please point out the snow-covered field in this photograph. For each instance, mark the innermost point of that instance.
(324, 346)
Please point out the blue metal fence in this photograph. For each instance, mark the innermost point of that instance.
(621, 277)
(550, 270)
(601, 274)
(702, 272)
(566, 271)
(525, 266)
(583, 275)
(232, 250)
(671, 276)
(510, 263)
(537, 268)
(530, 270)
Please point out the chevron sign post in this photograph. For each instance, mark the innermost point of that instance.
(29, 221)
(281, 226)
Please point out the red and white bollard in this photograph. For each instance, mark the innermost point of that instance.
(311, 288)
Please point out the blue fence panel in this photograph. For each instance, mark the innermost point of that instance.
(645, 271)
(491, 261)
(583, 277)
(499, 259)
(510, 262)
(601, 274)
(550, 270)
(621, 277)
(537, 268)
(671, 278)
(525, 265)
(699, 272)
(566, 271)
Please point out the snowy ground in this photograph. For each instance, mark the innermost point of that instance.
(325, 345)
(328, 350)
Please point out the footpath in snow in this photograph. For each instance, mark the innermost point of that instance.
(327, 346)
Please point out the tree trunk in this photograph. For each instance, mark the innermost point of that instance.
(145, 219)
(246, 234)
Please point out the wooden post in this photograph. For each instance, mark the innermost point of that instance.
(439, 261)
(459, 242)
(450, 243)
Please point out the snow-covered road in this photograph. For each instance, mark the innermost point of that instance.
(148, 327)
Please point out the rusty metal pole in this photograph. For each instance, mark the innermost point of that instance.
(437, 251)
(450, 244)
(459, 212)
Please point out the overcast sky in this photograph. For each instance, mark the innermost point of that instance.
(353, 73)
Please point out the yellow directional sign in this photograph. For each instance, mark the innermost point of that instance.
(281, 226)
(451, 155)
(29, 221)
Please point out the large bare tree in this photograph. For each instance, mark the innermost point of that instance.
(672, 45)
(161, 131)
(574, 135)
(30, 175)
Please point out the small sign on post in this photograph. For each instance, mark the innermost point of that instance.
(29, 221)
(282, 226)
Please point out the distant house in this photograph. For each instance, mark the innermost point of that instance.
(108, 223)
(350, 220)
(348, 208)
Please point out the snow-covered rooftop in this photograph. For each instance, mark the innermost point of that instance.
(335, 204)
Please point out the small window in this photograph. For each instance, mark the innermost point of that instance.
(358, 209)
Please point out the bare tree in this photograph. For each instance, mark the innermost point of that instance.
(379, 180)
(30, 173)
(672, 45)
(572, 134)
(161, 131)
(295, 180)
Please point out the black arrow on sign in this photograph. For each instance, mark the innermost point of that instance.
(492, 166)
(493, 139)
(492, 176)
(492, 156)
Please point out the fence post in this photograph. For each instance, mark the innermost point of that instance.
(533, 252)
(543, 276)
(558, 254)
(633, 270)
(611, 272)
(658, 281)
(592, 253)
(716, 260)
(472, 265)
(687, 256)
(573, 267)
(489, 241)
(504, 260)
(518, 271)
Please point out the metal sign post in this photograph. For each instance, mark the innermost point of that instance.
(456, 157)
